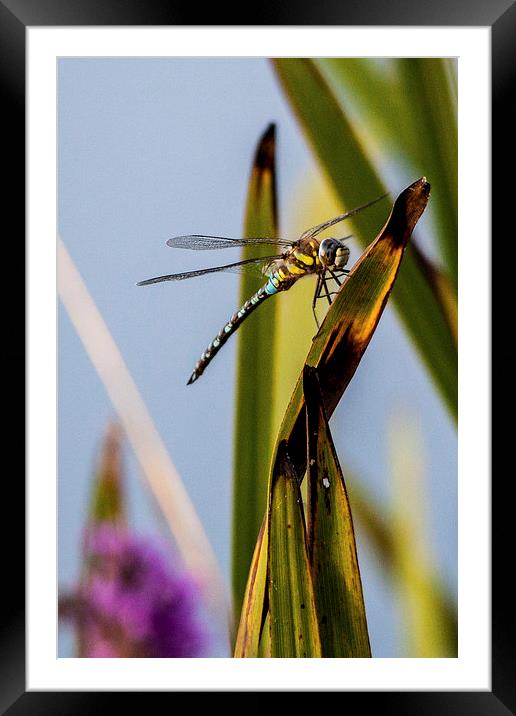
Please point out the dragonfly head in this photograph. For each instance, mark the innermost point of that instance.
(333, 253)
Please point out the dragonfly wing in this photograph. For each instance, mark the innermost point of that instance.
(200, 242)
(310, 233)
(258, 262)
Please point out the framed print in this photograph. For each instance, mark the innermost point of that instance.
(145, 534)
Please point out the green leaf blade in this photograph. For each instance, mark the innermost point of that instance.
(293, 618)
(433, 135)
(254, 435)
(336, 574)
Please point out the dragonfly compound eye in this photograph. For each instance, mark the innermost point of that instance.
(333, 252)
(327, 251)
(341, 256)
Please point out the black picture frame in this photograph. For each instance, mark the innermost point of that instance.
(15, 17)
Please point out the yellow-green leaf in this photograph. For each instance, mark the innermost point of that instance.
(254, 429)
(252, 614)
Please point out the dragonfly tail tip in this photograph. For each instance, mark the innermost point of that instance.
(192, 378)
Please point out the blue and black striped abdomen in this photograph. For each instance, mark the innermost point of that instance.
(282, 275)
(230, 327)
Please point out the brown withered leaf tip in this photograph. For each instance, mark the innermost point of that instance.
(406, 211)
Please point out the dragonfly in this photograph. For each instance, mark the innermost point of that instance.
(324, 258)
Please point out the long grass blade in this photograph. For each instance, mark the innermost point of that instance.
(432, 142)
(254, 429)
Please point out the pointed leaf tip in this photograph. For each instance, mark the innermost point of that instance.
(407, 210)
(265, 152)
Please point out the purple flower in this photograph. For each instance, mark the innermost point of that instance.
(132, 602)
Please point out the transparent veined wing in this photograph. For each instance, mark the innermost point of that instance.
(259, 262)
(310, 233)
(201, 242)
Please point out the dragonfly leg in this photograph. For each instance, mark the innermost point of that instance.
(317, 295)
(321, 283)
(327, 293)
(335, 276)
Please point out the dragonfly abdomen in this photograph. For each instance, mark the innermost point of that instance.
(231, 326)
(279, 280)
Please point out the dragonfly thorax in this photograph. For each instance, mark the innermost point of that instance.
(333, 253)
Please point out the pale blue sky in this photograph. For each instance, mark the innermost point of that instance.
(159, 147)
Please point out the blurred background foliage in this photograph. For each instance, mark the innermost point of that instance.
(369, 124)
